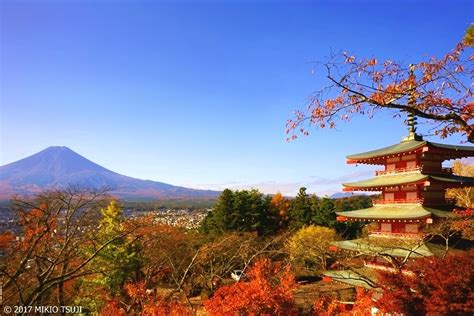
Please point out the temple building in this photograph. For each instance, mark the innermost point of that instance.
(412, 187)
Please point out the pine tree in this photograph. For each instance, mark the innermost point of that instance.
(323, 211)
(300, 213)
(222, 216)
(239, 211)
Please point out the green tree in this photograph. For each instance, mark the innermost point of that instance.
(309, 246)
(240, 211)
(252, 208)
(122, 256)
(300, 212)
(119, 262)
(323, 211)
(220, 219)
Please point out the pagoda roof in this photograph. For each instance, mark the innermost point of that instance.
(405, 179)
(453, 151)
(397, 247)
(395, 211)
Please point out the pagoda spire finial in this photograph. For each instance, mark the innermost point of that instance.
(411, 120)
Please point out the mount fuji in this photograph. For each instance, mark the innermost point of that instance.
(60, 167)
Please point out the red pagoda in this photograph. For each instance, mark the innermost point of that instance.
(412, 185)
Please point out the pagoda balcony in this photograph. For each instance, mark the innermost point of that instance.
(398, 170)
(397, 201)
(378, 233)
(413, 169)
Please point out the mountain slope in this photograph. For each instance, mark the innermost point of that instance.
(57, 167)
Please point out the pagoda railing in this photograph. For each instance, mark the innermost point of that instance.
(398, 170)
(397, 201)
(397, 234)
(412, 169)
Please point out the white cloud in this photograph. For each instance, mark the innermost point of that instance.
(315, 184)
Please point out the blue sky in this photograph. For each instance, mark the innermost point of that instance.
(196, 93)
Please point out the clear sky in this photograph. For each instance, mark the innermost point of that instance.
(196, 93)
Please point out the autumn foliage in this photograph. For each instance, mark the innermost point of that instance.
(328, 306)
(464, 197)
(435, 287)
(41, 265)
(437, 89)
(146, 303)
(268, 292)
(75, 248)
(309, 246)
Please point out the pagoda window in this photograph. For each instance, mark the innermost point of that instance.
(386, 227)
(390, 167)
(411, 228)
(389, 196)
(398, 228)
(400, 195)
(411, 195)
(411, 164)
(400, 165)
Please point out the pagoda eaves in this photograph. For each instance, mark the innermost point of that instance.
(407, 179)
(410, 147)
(400, 212)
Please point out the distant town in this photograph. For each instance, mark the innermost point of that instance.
(184, 218)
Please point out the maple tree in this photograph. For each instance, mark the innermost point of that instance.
(42, 264)
(217, 259)
(143, 302)
(450, 230)
(460, 223)
(268, 292)
(326, 306)
(170, 254)
(279, 211)
(329, 306)
(190, 263)
(434, 286)
(438, 90)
